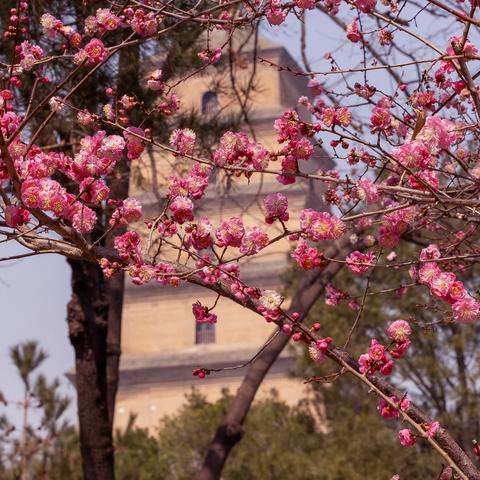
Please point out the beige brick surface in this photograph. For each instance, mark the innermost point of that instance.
(158, 325)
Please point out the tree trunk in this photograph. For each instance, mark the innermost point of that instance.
(115, 290)
(87, 322)
(95, 322)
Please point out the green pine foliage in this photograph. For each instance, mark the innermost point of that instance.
(43, 445)
(280, 442)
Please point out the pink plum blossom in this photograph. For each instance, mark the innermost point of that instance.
(230, 233)
(202, 314)
(307, 257)
(466, 310)
(128, 245)
(182, 209)
(128, 211)
(144, 24)
(359, 263)
(427, 272)
(275, 14)
(254, 240)
(95, 51)
(183, 140)
(430, 253)
(16, 216)
(318, 349)
(135, 144)
(368, 191)
(353, 33)
(276, 207)
(107, 20)
(399, 331)
(432, 429)
(365, 6)
(407, 439)
(320, 225)
(154, 81)
(387, 411)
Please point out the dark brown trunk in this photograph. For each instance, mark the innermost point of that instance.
(115, 290)
(95, 323)
(87, 322)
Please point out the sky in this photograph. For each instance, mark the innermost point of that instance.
(34, 291)
(33, 296)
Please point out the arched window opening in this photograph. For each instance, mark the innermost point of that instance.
(210, 103)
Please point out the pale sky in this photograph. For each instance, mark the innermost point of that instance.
(33, 295)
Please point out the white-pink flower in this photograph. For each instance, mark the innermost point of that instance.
(466, 310)
(399, 331)
(407, 439)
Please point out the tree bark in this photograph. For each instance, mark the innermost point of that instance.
(87, 314)
(230, 432)
(115, 290)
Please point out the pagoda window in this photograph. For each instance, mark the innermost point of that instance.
(204, 333)
(210, 104)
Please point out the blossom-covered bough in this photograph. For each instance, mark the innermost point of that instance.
(407, 170)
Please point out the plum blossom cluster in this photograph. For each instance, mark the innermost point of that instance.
(16, 216)
(127, 211)
(445, 286)
(97, 156)
(394, 225)
(420, 155)
(269, 305)
(143, 23)
(307, 257)
(380, 358)
(183, 140)
(368, 191)
(359, 263)
(386, 410)
(128, 246)
(295, 134)
(275, 206)
(407, 438)
(318, 349)
(317, 226)
(202, 314)
(237, 151)
(333, 295)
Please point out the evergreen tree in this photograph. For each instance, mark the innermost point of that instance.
(44, 445)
